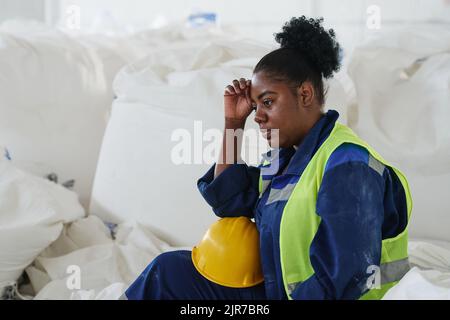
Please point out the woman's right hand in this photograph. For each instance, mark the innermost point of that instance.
(237, 101)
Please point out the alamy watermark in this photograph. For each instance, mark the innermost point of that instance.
(199, 146)
(73, 17)
(374, 280)
(373, 21)
(73, 281)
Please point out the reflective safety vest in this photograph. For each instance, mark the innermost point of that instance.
(300, 222)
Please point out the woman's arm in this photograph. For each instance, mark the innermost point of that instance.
(233, 193)
(230, 187)
(237, 107)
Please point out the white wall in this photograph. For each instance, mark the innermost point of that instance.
(259, 19)
(25, 9)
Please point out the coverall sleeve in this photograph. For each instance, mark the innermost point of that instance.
(233, 193)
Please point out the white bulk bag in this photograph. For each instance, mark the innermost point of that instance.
(32, 213)
(55, 98)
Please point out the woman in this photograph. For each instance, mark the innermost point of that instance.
(332, 216)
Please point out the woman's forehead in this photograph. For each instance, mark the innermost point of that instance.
(261, 83)
(260, 78)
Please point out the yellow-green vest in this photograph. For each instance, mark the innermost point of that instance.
(299, 222)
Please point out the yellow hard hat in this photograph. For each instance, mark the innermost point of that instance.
(228, 254)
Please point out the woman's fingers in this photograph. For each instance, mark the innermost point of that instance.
(230, 89)
(247, 93)
(236, 86)
(242, 84)
(247, 87)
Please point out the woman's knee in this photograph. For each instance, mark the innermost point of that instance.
(169, 260)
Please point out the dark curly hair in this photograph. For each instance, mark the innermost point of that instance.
(307, 52)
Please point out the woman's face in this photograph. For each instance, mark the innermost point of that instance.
(277, 107)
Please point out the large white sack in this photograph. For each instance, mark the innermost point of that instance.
(136, 179)
(421, 285)
(403, 111)
(55, 97)
(32, 213)
(86, 249)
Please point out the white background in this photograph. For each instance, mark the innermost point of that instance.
(260, 19)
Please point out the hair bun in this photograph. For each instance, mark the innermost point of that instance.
(316, 44)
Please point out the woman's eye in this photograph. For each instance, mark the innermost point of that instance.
(267, 102)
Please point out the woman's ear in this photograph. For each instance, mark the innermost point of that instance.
(306, 94)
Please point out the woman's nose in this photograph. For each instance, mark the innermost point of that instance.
(260, 117)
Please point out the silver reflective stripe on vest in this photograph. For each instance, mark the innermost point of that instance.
(376, 165)
(390, 272)
(265, 184)
(394, 271)
(292, 286)
(281, 194)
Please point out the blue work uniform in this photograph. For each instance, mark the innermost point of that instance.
(353, 191)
